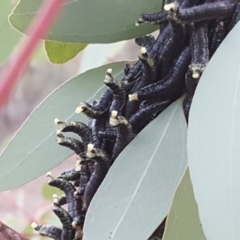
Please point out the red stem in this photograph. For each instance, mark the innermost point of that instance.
(17, 64)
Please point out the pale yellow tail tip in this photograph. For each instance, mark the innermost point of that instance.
(195, 75)
(34, 225)
(107, 79)
(114, 114)
(74, 224)
(143, 50)
(109, 71)
(89, 150)
(133, 97)
(56, 121)
(137, 24)
(77, 162)
(78, 168)
(59, 133)
(113, 119)
(170, 6)
(90, 147)
(55, 200)
(79, 109)
(54, 195)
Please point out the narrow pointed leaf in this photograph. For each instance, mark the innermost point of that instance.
(33, 150)
(214, 140)
(91, 21)
(137, 192)
(183, 219)
(60, 52)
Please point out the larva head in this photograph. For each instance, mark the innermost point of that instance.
(95, 152)
(139, 21)
(171, 7)
(78, 167)
(49, 175)
(143, 53)
(108, 77)
(81, 108)
(78, 222)
(110, 80)
(91, 153)
(35, 226)
(55, 199)
(133, 97)
(114, 119)
(60, 136)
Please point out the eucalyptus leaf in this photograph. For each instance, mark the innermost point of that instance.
(90, 21)
(33, 150)
(214, 140)
(137, 192)
(183, 219)
(9, 36)
(60, 52)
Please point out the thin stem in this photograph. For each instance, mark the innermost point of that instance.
(18, 63)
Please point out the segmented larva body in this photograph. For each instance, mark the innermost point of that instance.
(206, 11)
(79, 128)
(66, 220)
(142, 117)
(60, 200)
(199, 48)
(68, 189)
(48, 231)
(124, 133)
(76, 145)
(146, 41)
(108, 134)
(70, 175)
(100, 170)
(170, 88)
(119, 94)
(85, 175)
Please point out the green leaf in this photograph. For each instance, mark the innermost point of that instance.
(183, 220)
(59, 52)
(33, 150)
(91, 21)
(9, 36)
(214, 140)
(137, 192)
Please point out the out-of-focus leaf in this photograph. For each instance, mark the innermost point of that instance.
(183, 220)
(60, 52)
(91, 21)
(9, 36)
(28, 230)
(49, 217)
(33, 150)
(137, 192)
(213, 142)
(48, 191)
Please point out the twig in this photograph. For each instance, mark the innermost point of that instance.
(17, 63)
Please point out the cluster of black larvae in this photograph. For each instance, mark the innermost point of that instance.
(168, 67)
